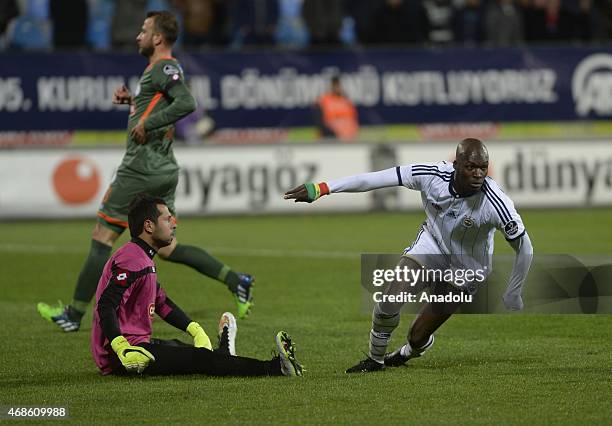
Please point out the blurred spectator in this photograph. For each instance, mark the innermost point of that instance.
(253, 21)
(291, 30)
(362, 11)
(438, 19)
(8, 11)
(504, 23)
(469, 21)
(127, 22)
(603, 17)
(335, 114)
(323, 19)
(203, 21)
(534, 19)
(576, 20)
(70, 19)
(396, 21)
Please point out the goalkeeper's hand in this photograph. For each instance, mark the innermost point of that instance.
(200, 338)
(307, 192)
(513, 301)
(134, 358)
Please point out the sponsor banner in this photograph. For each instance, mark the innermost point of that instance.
(533, 174)
(240, 180)
(252, 180)
(68, 92)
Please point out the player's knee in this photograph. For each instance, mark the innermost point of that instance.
(382, 310)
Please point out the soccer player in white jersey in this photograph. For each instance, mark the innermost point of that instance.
(464, 207)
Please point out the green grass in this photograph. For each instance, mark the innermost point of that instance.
(489, 369)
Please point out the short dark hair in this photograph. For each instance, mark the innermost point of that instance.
(166, 24)
(143, 207)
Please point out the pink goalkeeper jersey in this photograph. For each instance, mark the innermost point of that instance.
(128, 289)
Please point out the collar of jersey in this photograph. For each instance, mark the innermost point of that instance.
(452, 190)
(150, 251)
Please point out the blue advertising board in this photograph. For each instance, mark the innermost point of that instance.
(277, 89)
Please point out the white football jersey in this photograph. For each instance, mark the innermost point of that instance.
(462, 226)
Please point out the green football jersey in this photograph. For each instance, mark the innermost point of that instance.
(161, 99)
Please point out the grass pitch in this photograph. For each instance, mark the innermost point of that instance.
(488, 369)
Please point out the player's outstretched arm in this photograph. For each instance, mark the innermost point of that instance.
(524, 255)
(310, 192)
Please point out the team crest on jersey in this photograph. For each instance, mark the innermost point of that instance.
(151, 309)
(511, 228)
(170, 70)
(468, 222)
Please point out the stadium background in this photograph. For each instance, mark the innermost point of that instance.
(541, 101)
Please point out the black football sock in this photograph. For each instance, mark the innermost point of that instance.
(90, 275)
(204, 263)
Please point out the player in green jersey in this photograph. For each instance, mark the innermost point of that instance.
(161, 99)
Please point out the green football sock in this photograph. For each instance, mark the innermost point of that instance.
(204, 263)
(90, 275)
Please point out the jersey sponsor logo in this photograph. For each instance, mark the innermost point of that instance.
(468, 222)
(151, 309)
(511, 228)
(170, 70)
(121, 277)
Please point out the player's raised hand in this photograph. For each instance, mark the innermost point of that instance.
(307, 192)
(139, 134)
(122, 95)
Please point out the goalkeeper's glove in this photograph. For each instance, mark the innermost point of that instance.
(200, 338)
(134, 358)
(316, 190)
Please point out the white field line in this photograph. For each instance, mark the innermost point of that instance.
(232, 251)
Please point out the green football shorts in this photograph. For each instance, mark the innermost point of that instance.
(113, 210)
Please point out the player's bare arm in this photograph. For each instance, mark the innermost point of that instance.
(311, 191)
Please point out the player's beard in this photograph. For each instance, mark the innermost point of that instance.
(161, 243)
(146, 50)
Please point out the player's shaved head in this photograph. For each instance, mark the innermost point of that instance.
(471, 166)
(471, 148)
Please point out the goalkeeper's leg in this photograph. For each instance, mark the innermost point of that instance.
(190, 360)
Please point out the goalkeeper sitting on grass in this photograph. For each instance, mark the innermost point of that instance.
(128, 295)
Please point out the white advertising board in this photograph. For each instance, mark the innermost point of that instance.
(213, 180)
